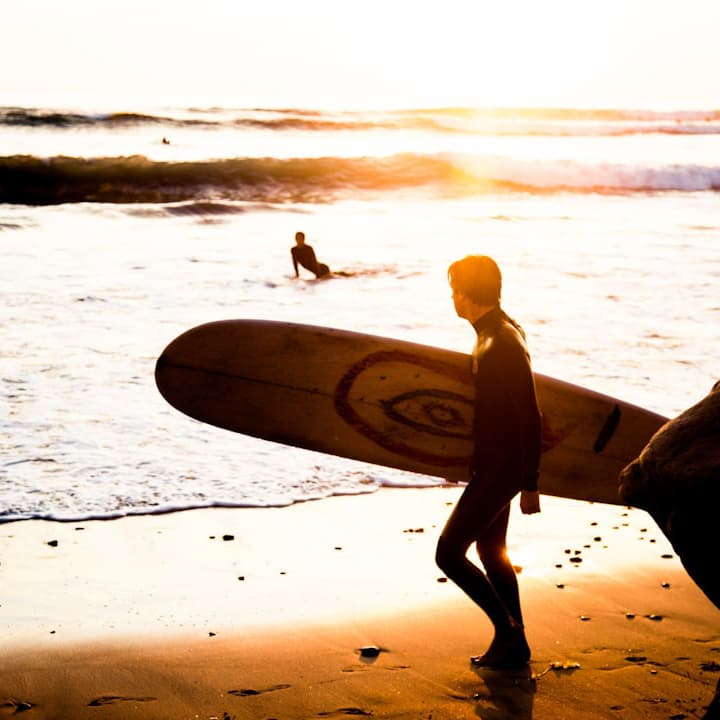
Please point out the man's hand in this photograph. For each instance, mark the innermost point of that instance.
(529, 502)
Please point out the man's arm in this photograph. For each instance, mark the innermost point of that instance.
(529, 502)
(529, 423)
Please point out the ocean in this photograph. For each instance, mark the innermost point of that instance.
(121, 228)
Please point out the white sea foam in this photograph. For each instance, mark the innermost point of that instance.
(602, 177)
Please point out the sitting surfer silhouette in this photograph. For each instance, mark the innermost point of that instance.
(505, 461)
(304, 255)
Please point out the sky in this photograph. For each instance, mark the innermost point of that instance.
(364, 53)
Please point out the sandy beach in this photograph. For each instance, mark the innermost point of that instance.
(264, 613)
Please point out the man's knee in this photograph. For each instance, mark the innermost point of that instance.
(492, 556)
(447, 556)
(441, 554)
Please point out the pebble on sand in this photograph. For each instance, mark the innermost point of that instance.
(369, 651)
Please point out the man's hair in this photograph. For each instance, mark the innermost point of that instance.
(299, 235)
(478, 277)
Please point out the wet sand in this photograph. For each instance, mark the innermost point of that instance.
(265, 613)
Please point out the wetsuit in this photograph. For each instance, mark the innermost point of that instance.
(507, 427)
(507, 431)
(304, 255)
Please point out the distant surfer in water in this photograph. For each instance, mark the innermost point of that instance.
(505, 461)
(304, 255)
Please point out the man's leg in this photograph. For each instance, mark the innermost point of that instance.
(492, 551)
(475, 512)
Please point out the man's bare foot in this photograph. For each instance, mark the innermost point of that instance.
(507, 651)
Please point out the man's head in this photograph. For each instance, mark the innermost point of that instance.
(475, 280)
(300, 238)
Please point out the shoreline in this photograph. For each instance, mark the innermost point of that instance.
(261, 613)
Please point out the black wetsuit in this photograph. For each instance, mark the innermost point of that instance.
(507, 426)
(507, 430)
(304, 255)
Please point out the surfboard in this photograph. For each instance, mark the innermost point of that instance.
(387, 402)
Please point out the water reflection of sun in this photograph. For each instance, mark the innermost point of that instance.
(526, 561)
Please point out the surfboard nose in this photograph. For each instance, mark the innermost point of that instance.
(161, 374)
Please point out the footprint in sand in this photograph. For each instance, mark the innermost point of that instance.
(14, 707)
(345, 711)
(111, 699)
(248, 692)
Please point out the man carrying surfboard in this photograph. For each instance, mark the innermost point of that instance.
(507, 435)
(304, 255)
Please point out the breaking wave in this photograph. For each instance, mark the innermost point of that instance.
(32, 180)
(502, 121)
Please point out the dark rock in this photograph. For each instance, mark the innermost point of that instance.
(676, 478)
(369, 651)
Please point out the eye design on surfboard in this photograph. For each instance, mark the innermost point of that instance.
(410, 405)
(438, 412)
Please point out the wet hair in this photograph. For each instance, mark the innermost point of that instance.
(478, 278)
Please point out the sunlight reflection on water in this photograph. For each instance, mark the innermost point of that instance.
(615, 293)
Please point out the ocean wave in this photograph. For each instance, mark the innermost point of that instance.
(473, 121)
(31, 180)
(136, 179)
(58, 119)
